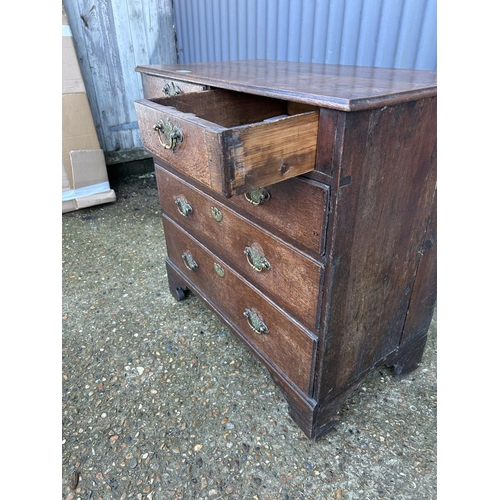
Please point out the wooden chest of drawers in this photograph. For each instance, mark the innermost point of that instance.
(299, 202)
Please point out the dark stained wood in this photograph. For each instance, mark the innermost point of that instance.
(297, 209)
(423, 296)
(380, 230)
(408, 357)
(288, 346)
(346, 88)
(290, 270)
(330, 140)
(352, 243)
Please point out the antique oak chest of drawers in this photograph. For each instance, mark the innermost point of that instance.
(299, 202)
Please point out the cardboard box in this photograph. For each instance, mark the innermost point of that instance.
(85, 177)
(72, 80)
(89, 185)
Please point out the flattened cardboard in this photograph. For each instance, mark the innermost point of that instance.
(88, 167)
(88, 171)
(78, 130)
(65, 181)
(95, 199)
(72, 80)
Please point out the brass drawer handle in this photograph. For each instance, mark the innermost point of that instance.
(258, 196)
(172, 132)
(183, 206)
(171, 88)
(256, 260)
(255, 322)
(189, 262)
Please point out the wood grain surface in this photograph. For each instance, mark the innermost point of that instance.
(297, 209)
(293, 279)
(227, 143)
(346, 88)
(287, 346)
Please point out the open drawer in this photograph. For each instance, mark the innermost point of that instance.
(230, 141)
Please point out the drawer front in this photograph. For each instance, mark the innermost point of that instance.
(288, 276)
(155, 86)
(224, 140)
(281, 342)
(295, 209)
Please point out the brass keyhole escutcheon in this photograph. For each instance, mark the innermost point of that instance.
(255, 321)
(183, 206)
(258, 196)
(216, 213)
(219, 269)
(172, 132)
(189, 261)
(256, 260)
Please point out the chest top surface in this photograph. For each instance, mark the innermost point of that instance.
(346, 88)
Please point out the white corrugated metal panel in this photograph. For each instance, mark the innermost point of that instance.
(384, 33)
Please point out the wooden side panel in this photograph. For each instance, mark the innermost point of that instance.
(423, 296)
(380, 227)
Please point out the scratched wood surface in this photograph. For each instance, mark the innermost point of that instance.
(382, 217)
(347, 88)
(374, 286)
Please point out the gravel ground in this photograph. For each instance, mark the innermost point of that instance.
(159, 400)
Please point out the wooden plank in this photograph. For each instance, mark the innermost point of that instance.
(423, 296)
